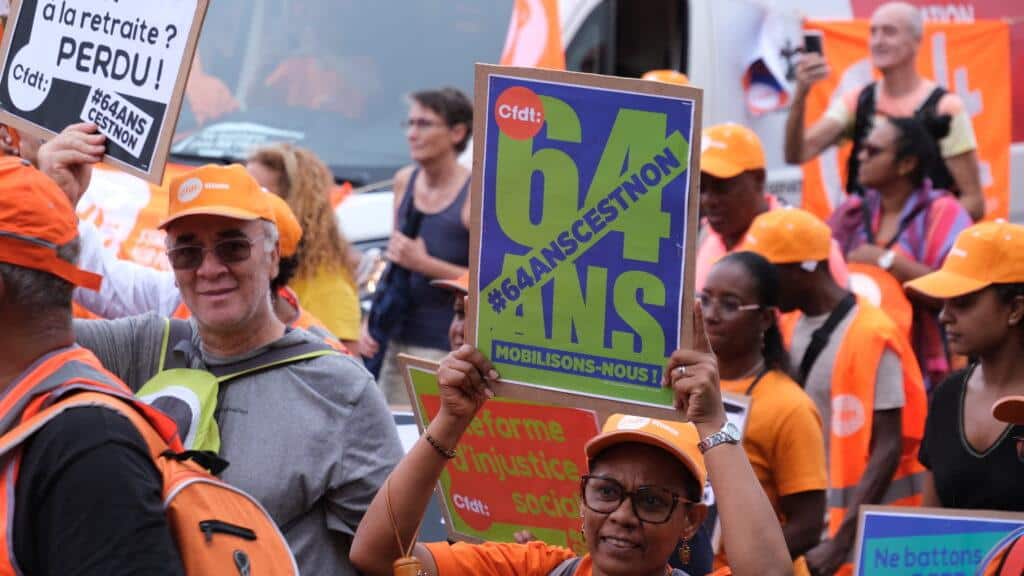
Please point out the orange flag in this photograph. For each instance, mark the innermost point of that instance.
(534, 36)
(964, 58)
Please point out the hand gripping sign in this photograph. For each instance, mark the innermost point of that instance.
(584, 218)
(118, 64)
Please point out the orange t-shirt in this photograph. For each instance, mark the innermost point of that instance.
(500, 559)
(783, 440)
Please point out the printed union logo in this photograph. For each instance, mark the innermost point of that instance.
(519, 113)
(633, 422)
(190, 190)
(847, 415)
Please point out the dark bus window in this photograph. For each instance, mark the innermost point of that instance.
(628, 38)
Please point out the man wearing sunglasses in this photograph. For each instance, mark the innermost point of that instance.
(312, 440)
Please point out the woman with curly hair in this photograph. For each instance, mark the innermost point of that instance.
(324, 281)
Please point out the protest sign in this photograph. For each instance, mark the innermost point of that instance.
(583, 231)
(118, 64)
(895, 541)
(518, 465)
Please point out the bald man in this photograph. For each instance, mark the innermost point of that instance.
(896, 31)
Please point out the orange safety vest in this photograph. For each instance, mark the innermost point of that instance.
(56, 375)
(853, 395)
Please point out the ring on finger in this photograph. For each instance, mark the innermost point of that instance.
(681, 370)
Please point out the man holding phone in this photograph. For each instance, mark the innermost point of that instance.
(896, 32)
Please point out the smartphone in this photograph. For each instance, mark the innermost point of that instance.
(813, 43)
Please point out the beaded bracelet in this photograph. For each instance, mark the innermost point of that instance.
(448, 453)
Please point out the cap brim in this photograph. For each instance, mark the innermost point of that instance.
(452, 285)
(943, 284)
(604, 441)
(1009, 409)
(225, 211)
(720, 167)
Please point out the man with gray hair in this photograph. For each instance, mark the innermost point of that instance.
(896, 32)
(304, 430)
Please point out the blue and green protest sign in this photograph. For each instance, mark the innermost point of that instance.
(897, 541)
(583, 233)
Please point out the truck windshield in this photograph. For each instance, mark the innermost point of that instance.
(329, 75)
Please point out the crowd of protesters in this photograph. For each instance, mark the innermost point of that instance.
(917, 399)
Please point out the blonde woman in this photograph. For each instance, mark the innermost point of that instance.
(324, 280)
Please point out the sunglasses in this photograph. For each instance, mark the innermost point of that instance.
(870, 150)
(231, 251)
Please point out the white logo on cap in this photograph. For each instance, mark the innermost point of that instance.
(190, 190)
(633, 423)
(711, 143)
(958, 252)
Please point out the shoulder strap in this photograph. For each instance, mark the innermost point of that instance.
(20, 433)
(566, 568)
(821, 336)
(175, 332)
(272, 359)
(931, 104)
(411, 217)
(862, 123)
(757, 380)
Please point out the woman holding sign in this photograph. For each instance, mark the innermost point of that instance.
(974, 459)
(641, 494)
(784, 438)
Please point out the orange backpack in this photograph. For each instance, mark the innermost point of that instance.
(218, 529)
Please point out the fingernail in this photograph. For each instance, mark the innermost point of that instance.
(490, 393)
(493, 375)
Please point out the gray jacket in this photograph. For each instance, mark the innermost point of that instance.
(311, 440)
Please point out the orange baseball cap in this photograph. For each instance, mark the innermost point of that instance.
(789, 236)
(288, 228)
(228, 191)
(460, 284)
(728, 150)
(679, 439)
(984, 254)
(667, 76)
(1009, 409)
(35, 219)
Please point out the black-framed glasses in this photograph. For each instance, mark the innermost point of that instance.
(728, 305)
(420, 123)
(230, 251)
(651, 504)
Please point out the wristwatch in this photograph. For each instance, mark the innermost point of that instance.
(729, 434)
(886, 259)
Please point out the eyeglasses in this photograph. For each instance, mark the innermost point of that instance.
(420, 123)
(651, 504)
(230, 251)
(870, 150)
(727, 306)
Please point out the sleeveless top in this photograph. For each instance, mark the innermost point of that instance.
(446, 238)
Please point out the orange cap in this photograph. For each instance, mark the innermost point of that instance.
(789, 236)
(679, 439)
(35, 219)
(728, 150)
(1009, 409)
(984, 254)
(667, 76)
(228, 191)
(460, 284)
(288, 228)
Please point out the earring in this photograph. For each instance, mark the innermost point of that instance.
(684, 552)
